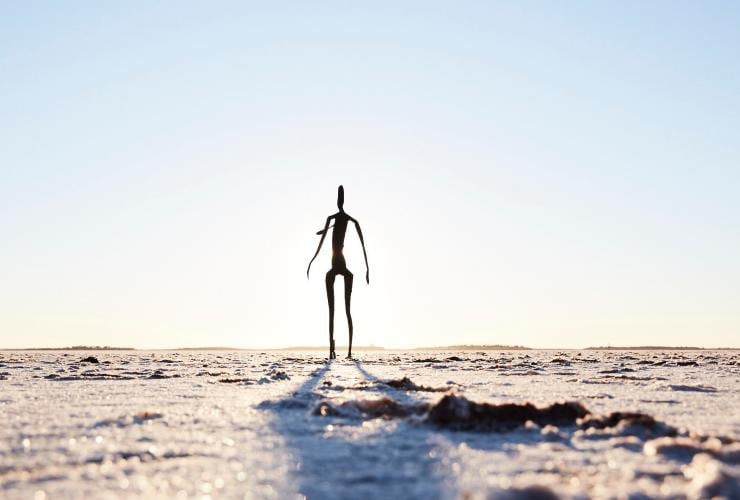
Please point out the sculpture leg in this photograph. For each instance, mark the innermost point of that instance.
(330, 298)
(348, 278)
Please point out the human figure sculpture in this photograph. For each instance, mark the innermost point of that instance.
(339, 266)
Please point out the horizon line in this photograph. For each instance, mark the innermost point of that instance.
(371, 347)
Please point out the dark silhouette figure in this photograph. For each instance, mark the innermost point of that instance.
(339, 266)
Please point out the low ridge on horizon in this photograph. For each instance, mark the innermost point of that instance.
(455, 347)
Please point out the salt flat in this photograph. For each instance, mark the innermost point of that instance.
(387, 425)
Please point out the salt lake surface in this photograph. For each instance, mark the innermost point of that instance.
(237, 424)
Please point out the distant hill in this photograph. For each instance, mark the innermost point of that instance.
(210, 348)
(80, 348)
(657, 348)
(473, 347)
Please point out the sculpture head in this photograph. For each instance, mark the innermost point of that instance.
(340, 198)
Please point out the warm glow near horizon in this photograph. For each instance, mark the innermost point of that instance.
(559, 180)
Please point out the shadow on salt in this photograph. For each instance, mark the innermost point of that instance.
(338, 455)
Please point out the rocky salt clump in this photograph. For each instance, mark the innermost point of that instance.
(627, 424)
(406, 384)
(459, 413)
(384, 407)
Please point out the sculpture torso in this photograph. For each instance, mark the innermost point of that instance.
(340, 229)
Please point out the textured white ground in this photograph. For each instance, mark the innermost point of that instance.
(250, 425)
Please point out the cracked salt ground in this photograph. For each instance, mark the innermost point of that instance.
(427, 425)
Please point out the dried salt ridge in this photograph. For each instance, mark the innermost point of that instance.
(395, 424)
(457, 413)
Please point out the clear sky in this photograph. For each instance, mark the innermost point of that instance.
(551, 174)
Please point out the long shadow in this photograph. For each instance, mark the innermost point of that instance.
(368, 376)
(385, 390)
(340, 457)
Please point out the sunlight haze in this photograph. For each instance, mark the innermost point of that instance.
(525, 173)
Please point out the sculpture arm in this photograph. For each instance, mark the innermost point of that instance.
(364, 253)
(321, 242)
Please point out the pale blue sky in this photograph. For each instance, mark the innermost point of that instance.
(553, 174)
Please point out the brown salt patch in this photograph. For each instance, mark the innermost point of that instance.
(245, 381)
(459, 413)
(368, 408)
(628, 423)
(406, 384)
